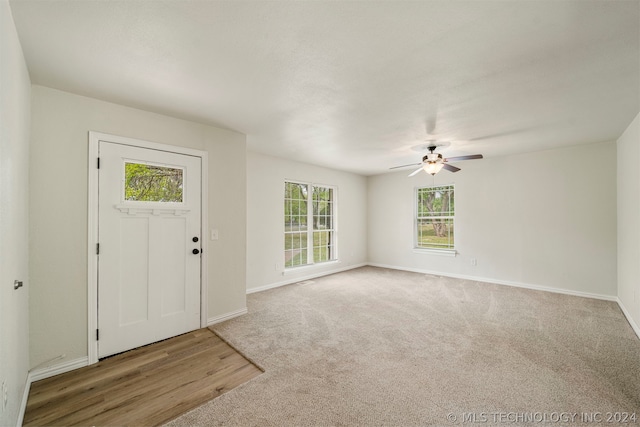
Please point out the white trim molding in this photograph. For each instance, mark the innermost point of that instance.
(626, 313)
(226, 316)
(57, 369)
(303, 278)
(440, 252)
(501, 282)
(23, 403)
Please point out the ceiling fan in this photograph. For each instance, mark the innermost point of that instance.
(432, 163)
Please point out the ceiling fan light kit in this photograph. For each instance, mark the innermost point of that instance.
(432, 163)
(432, 167)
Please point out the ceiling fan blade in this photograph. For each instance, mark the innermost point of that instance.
(405, 166)
(450, 168)
(458, 158)
(415, 171)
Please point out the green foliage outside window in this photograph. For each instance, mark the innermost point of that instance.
(146, 183)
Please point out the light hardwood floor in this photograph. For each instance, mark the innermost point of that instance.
(143, 387)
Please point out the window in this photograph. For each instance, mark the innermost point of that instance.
(309, 224)
(148, 183)
(435, 217)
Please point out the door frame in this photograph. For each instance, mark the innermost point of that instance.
(93, 222)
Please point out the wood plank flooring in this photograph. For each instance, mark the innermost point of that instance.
(147, 386)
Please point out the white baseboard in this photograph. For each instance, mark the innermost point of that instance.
(626, 313)
(23, 403)
(303, 278)
(501, 282)
(59, 368)
(226, 316)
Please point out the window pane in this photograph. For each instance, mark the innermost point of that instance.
(296, 241)
(322, 246)
(295, 248)
(435, 217)
(146, 183)
(322, 207)
(435, 201)
(303, 257)
(288, 208)
(435, 233)
(321, 199)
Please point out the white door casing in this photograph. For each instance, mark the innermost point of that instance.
(147, 278)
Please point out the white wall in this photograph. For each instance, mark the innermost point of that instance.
(265, 225)
(15, 87)
(545, 219)
(58, 222)
(629, 221)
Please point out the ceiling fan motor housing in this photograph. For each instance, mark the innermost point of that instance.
(432, 157)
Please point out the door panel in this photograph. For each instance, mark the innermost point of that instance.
(148, 276)
(134, 295)
(173, 299)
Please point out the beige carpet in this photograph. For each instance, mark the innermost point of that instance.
(380, 347)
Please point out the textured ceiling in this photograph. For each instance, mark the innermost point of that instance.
(353, 85)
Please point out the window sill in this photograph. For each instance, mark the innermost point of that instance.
(441, 252)
(301, 268)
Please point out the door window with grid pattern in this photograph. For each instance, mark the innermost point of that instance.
(309, 224)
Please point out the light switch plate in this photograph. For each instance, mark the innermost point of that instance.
(214, 234)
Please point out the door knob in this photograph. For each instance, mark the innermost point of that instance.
(195, 251)
(195, 239)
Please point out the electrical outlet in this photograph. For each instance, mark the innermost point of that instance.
(474, 262)
(277, 266)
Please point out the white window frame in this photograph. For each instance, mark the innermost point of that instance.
(310, 230)
(436, 251)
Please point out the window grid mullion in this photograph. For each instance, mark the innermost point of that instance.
(310, 228)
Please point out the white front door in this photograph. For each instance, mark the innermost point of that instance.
(149, 231)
